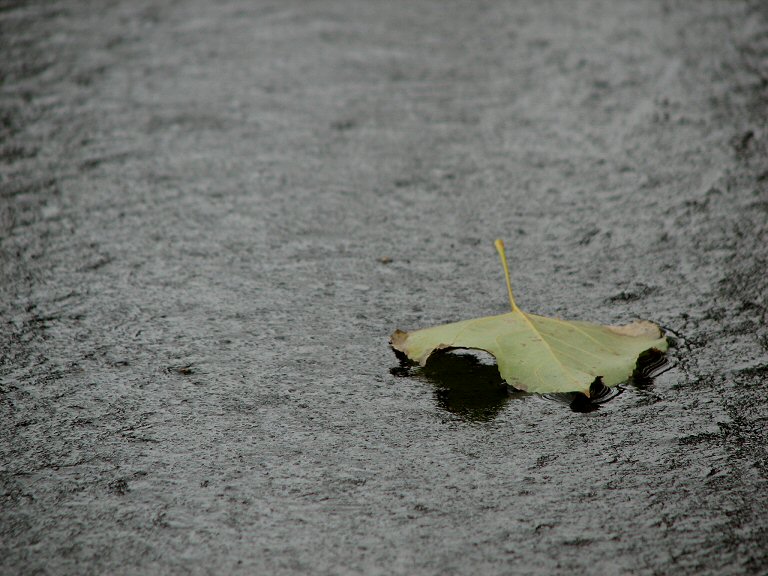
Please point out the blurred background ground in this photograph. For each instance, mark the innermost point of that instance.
(212, 215)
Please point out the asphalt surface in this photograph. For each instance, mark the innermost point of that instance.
(212, 216)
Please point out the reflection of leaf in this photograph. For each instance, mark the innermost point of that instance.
(539, 354)
(598, 394)
(467, 387)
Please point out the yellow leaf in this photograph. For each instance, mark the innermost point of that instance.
(539, 354)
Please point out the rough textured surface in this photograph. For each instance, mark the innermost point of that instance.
(213, 215)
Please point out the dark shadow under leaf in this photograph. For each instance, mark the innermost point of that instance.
(473, 389)
(464, 385)
(598, 394)
(650, 364)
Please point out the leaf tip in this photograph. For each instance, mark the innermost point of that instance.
(397, 340)
(639, 329)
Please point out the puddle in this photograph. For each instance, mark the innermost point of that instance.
(599, 394)
(468, 384)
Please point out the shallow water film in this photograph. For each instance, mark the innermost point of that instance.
(214, 214)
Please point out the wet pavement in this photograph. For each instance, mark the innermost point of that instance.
(212, 216)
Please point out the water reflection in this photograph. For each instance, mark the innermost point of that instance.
(650, 364)
(468, 384)
(599, 394)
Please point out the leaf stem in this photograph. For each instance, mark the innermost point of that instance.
(503, 255)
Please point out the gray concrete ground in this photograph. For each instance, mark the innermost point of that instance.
(213, 214)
